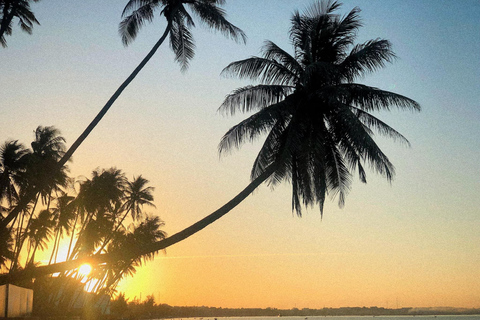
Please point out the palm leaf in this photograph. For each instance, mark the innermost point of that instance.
(365, 58)
(250, 98)
(269, 71)
(181, 42)
(214, 18)
(372, 99)
(131, 24)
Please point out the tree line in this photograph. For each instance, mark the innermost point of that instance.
(94, 215)
(149, 309)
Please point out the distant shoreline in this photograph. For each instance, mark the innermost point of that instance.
(166, 311)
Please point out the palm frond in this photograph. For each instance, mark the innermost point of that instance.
(372, 99)
(366, 58)
(273, 52)
(131, 24)
(265, 70)
(381, 127)
(181, 42)
(133, 5)
(250, 98)
(252, 127)
(348, 129)
(214, 18)
(267, 155)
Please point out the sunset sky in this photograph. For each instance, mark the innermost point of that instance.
(414, 243)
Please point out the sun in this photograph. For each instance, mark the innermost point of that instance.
(85, 269)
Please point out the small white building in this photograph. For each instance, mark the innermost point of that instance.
(15, 301)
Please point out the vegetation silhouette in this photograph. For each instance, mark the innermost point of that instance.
(19, 9)
(90, 215)
(179, 24)
(122, 308)
(317, 120)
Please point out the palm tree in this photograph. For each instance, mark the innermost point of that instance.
(101, 200)
(179, 23)
(12, 164)
(39, 233)
(64, 213)
(317, 120)
(138, 194)
(10, 9)
(6, 248)
(37, 175)
(145, 233)
(40, 174)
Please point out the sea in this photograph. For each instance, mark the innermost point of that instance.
(399, 317)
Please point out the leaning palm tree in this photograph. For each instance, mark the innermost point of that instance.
(10, 9)
(179, 25)
(317, 120)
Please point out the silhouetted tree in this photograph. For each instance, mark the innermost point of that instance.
(12, 165)
(317, 120)
(20, 9)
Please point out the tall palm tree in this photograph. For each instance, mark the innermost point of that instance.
(39, 233)
(179, 24)
(138, 194)
(64, 214)
(48, 148)
(317, 120)
(20, 9)
(101, 200)
(12, 164)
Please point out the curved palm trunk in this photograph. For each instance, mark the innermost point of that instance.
(29, 195)
(159, 245)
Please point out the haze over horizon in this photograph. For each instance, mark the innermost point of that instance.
(414, 243)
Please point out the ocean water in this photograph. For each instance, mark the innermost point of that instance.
(402, 317)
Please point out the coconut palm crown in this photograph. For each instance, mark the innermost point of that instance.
(180, 22)
(20, 9)
(317, 119)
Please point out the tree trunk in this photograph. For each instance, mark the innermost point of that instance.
(157, 246)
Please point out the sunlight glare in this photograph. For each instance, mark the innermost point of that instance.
(84, 269)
